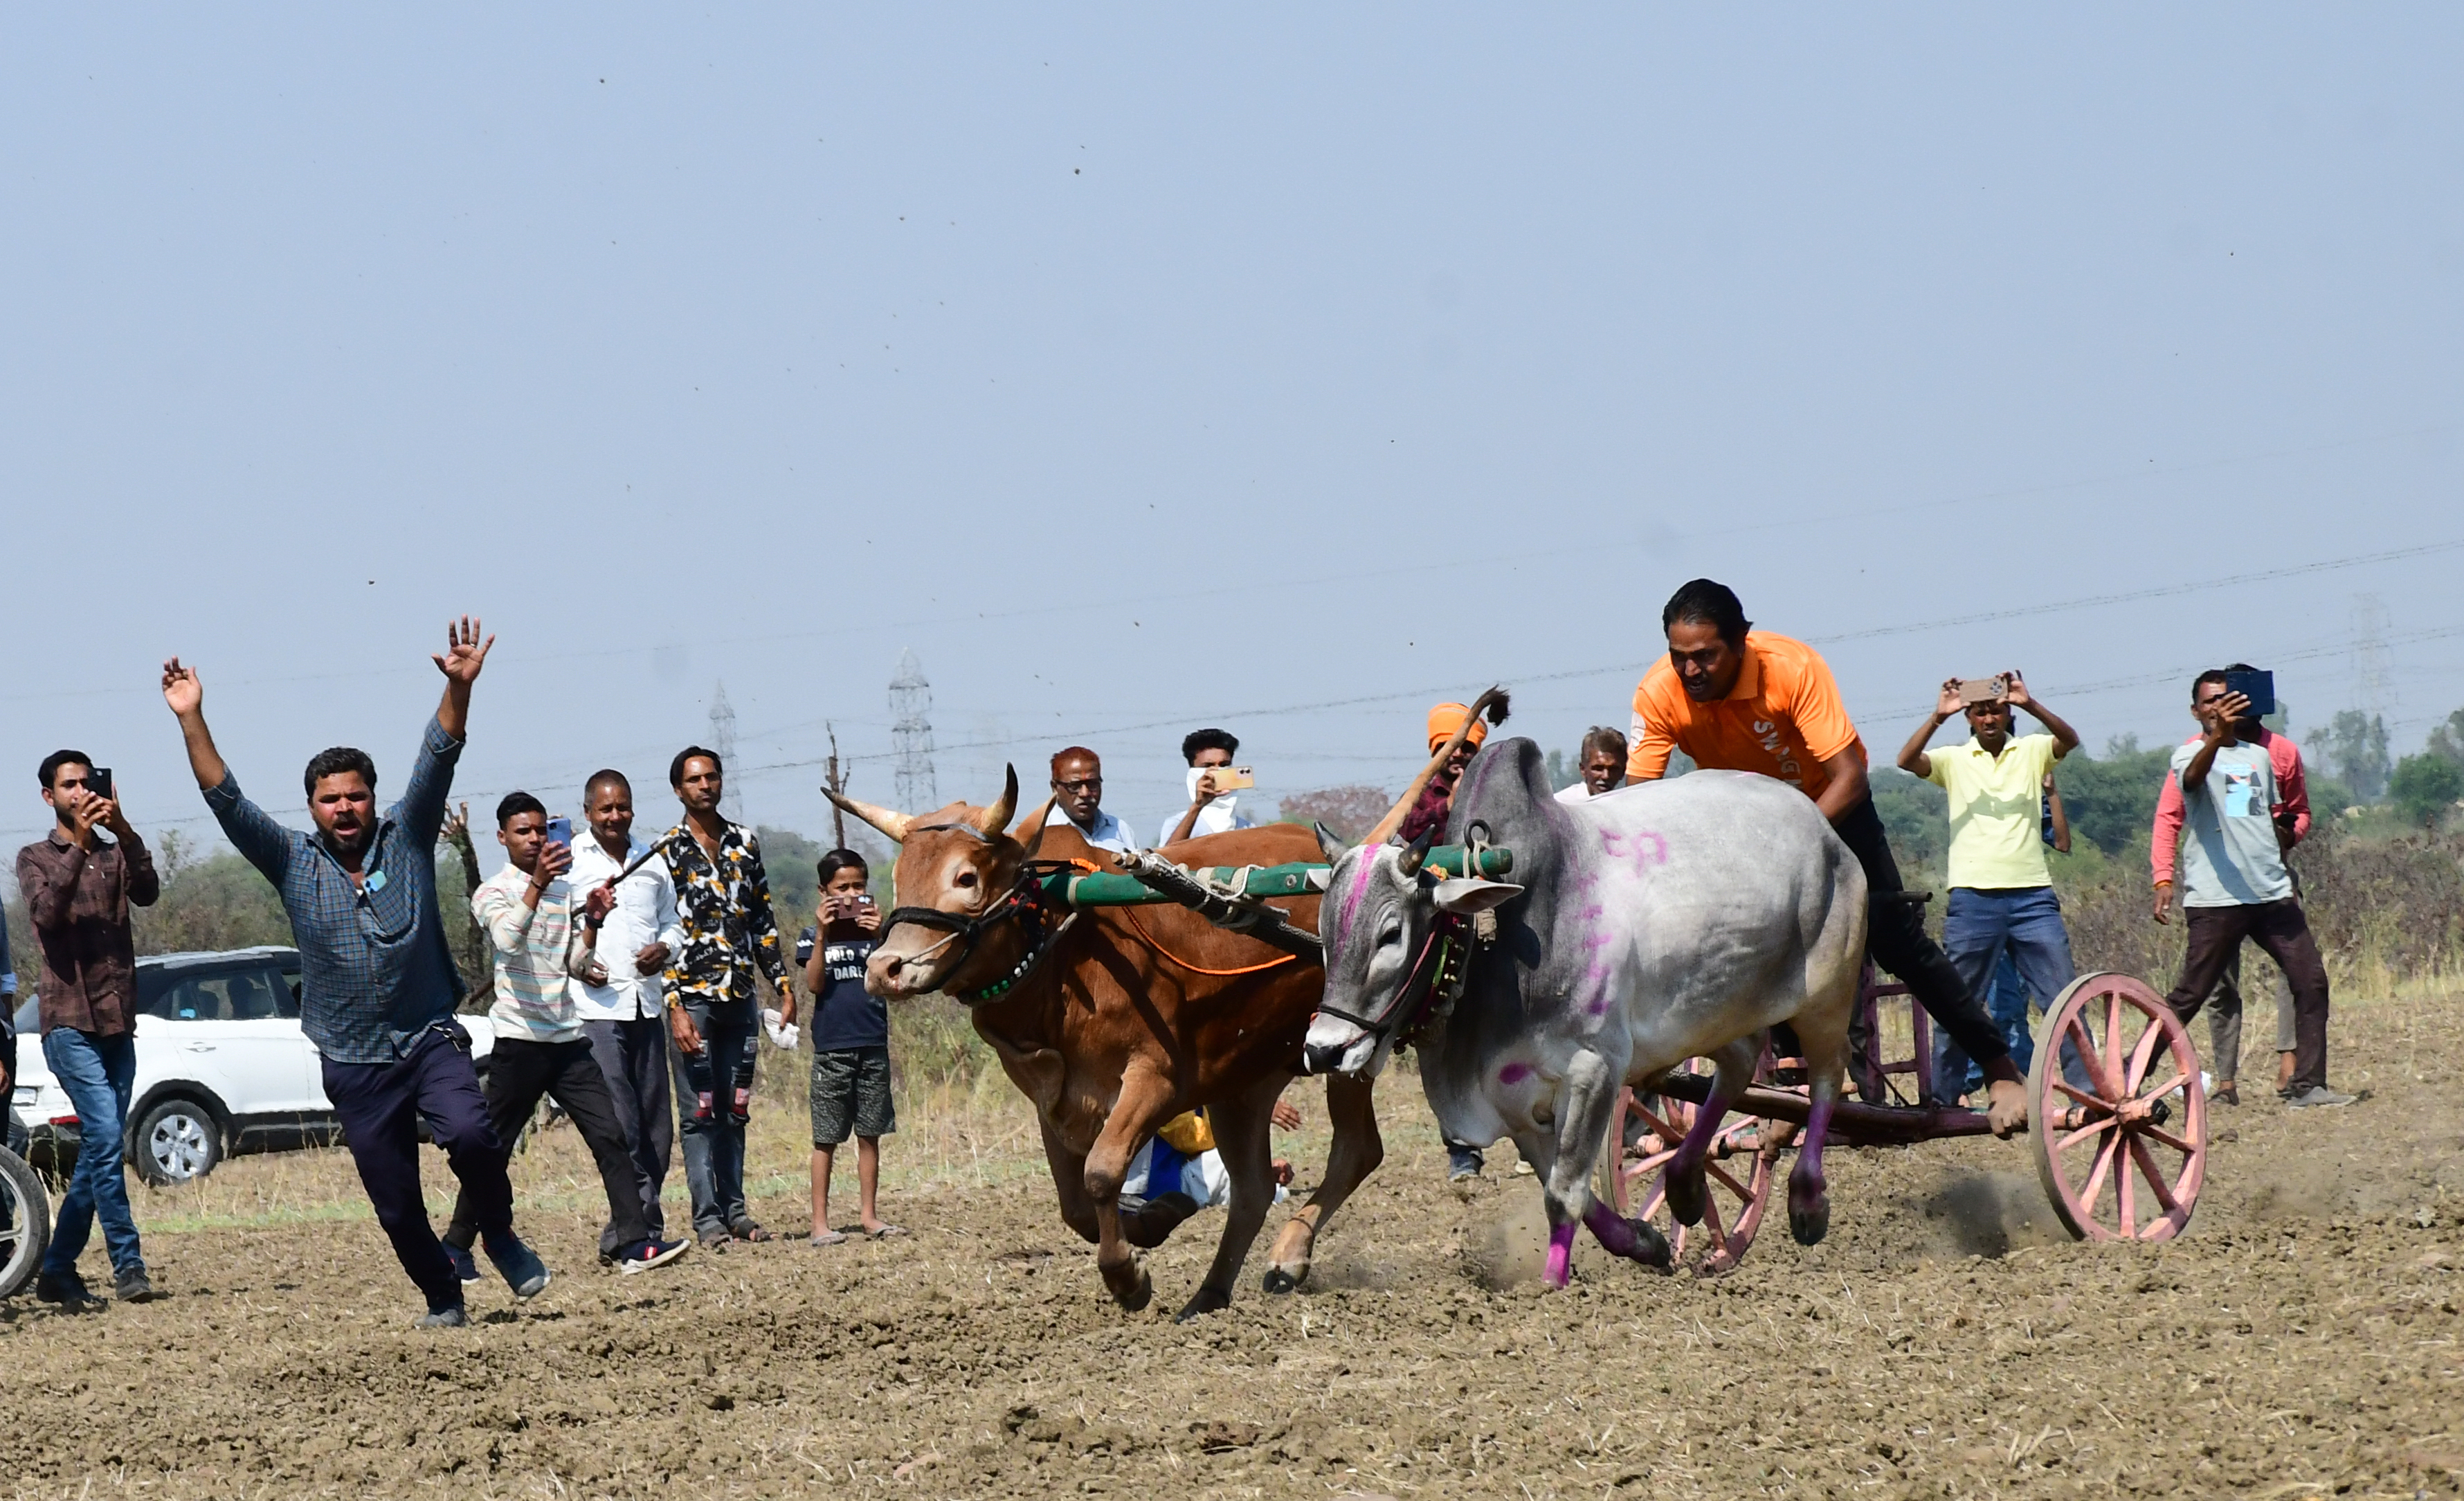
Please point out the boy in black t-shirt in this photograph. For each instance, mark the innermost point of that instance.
(851, 1029)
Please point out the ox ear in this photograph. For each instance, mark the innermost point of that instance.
(1332, 848)
(1464, 895)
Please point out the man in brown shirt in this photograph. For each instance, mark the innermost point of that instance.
(78, 890)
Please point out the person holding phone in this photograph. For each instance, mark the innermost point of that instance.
(2233, 807)
(78, 889)
(1214, 788)
(544, 933)
(850, 1082)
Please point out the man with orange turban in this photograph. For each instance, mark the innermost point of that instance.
(1430, 811)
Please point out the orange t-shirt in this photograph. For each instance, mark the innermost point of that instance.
(1783, 720)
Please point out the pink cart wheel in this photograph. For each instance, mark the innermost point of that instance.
(2123, 1157)
(1643, 1133)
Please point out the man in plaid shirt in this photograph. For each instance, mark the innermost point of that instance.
(378, 986)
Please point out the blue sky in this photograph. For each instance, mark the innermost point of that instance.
(1146, 369)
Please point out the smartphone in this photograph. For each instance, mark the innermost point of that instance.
(560, 832)
(1983, 690)
(1228, 779)
(2258, 687)
(98, 780)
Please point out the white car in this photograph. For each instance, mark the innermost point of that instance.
(222, 1067)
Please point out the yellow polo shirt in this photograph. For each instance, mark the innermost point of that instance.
(1996, 812)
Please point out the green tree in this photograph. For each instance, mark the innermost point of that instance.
(2111, 799)
(2425, 786)
(1917, 816)
(2448, 739)
(2355, 745)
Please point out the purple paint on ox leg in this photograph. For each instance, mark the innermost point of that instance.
(1561, 1254)
(1623, 1237)
(1809, 1203)
(1515, 1074)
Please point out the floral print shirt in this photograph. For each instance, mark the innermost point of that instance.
(724, 907)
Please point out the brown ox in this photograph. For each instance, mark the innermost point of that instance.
(1134, 1016)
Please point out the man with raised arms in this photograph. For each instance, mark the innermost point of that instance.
(378, 986)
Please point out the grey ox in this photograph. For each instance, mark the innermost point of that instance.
(1671, 920)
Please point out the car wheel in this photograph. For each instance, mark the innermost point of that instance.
(25, 1224)
(177, 1141)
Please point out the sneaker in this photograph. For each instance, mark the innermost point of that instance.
(522, 1270)
(2315, 1095)
(1150, 1222)
(642, 1255)
(133, 1285)
(450, 1316)
(465, 1265)
(1464, 1163)
(64, 1288)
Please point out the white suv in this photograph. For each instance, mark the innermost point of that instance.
(222, 1067)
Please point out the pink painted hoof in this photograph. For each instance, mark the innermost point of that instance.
(1561, 1256)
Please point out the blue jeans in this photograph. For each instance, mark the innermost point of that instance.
(713, 1149)
(1981, 929)
(96, 1071)
(1954, 1073)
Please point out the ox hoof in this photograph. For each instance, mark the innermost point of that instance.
(1207, 1301)
(1811, 1220)
(1687, 1195)
(1132, 1287)
(1280, 1281)
(1650, 1246)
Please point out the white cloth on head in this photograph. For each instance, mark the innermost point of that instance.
(1107, 833)
(1221, 816)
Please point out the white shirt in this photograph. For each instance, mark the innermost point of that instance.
(1579, 792)
(1221, 816)
(645, 914)
(1107, 833)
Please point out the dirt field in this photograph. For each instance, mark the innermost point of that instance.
(1946, 1341)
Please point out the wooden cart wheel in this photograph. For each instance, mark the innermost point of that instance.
(2123, 1157)
(1643, 1133)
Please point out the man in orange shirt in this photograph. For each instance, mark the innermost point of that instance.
(1740, 700)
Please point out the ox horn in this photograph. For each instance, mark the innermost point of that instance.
(993, 820)
(1493, 703)
(894, 824)
(1036, 824)
(1408, 863)
(1327, 842)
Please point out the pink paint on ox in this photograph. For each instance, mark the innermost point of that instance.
(1645, 849)
(1515, 1074)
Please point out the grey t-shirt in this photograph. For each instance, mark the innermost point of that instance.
(2229, 852)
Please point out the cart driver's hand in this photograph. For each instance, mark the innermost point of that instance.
(1285, 1116)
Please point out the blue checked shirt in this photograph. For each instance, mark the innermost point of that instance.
(374, 969)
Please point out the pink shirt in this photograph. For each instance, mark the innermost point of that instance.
(2282, 755)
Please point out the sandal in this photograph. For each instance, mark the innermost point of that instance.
(827, 1238)
(887, 1231)
(747, 1230)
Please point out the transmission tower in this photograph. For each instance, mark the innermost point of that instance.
(722, 739)
(911, 734)
(2373, 678)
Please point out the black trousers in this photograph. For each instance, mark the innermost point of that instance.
(519, 1076)
(379, 1106)
(634, 1059)
(1896, 940)
(2283, 931)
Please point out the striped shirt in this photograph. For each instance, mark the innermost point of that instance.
(374, 971)
(538, 949)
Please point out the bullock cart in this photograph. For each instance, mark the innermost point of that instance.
(2121, 1145)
